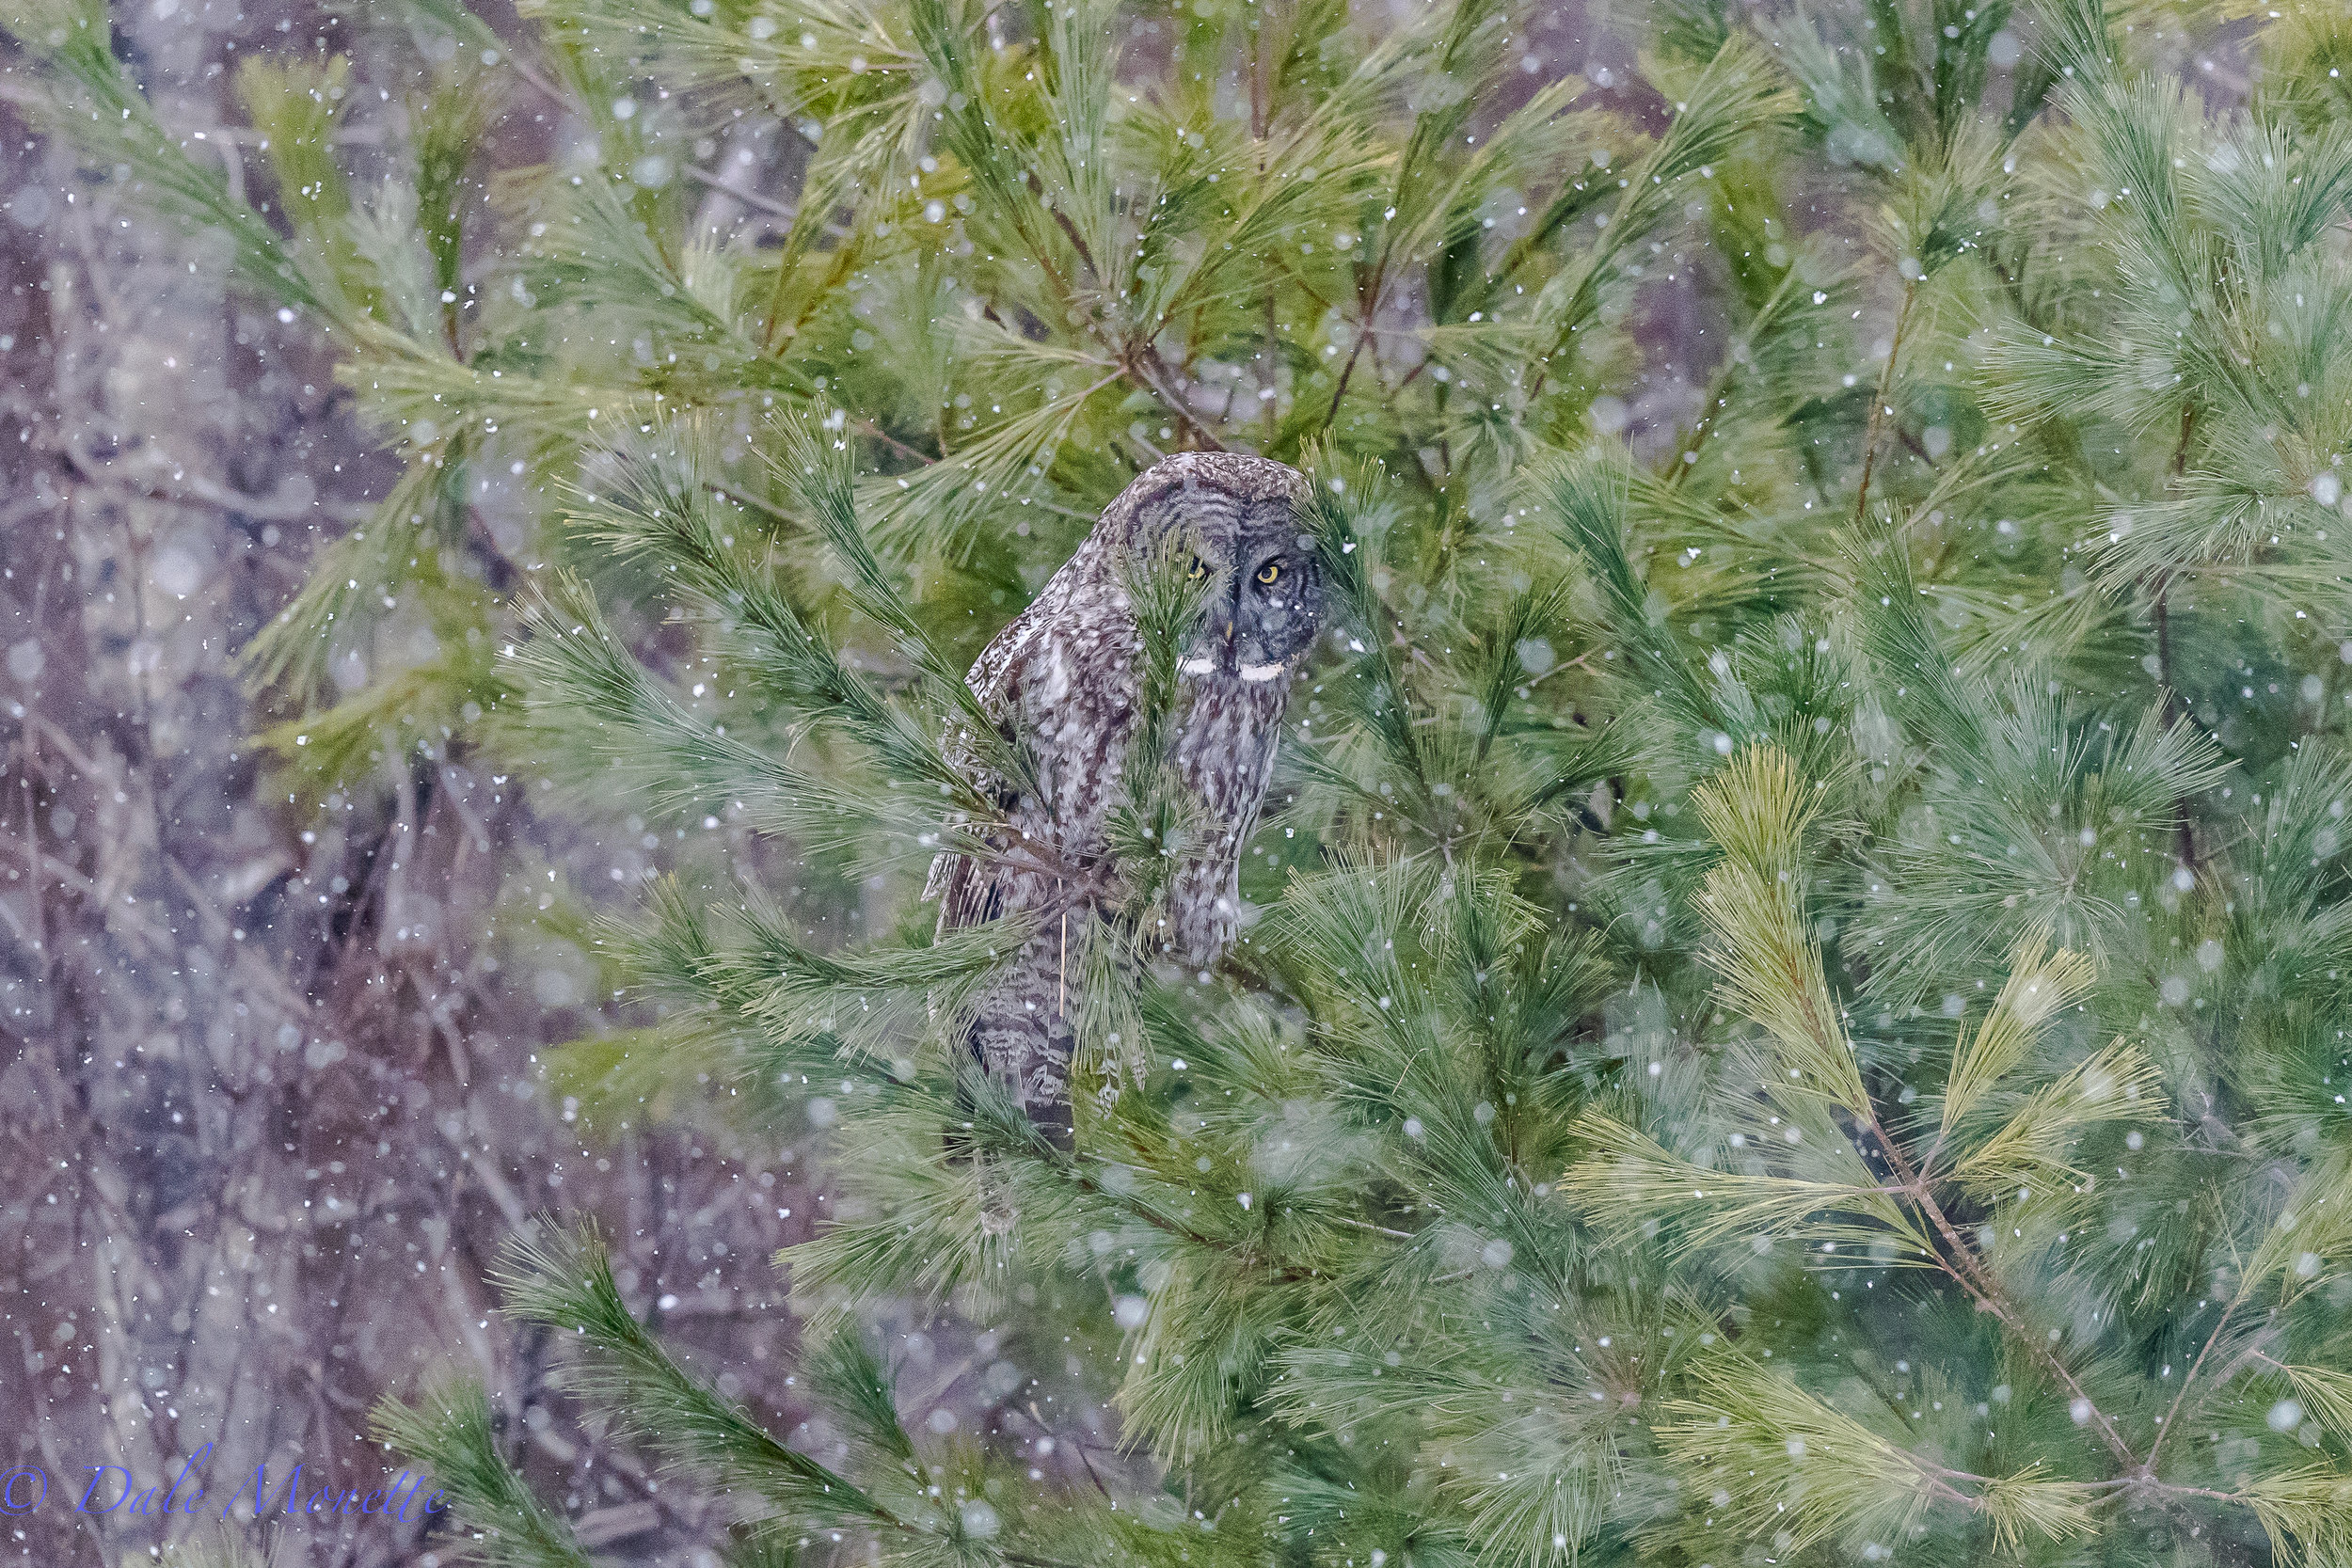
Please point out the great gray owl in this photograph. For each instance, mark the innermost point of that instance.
(1064, 675)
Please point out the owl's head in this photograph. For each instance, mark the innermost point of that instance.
(1236, 517)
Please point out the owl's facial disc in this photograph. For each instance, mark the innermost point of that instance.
(1263, 599)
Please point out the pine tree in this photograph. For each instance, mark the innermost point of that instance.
(1797, 1009)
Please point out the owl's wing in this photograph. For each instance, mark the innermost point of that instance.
(967, 894)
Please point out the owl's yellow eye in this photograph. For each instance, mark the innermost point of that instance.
(1270, 571)
(1198, 572)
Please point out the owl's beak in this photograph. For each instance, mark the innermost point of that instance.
(1229, 631)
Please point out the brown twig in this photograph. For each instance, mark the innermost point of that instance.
(1878, 404)
(2174, 710)
(2163, 1428)
(1965, 1270)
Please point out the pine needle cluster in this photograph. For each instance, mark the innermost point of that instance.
(1795, 1009)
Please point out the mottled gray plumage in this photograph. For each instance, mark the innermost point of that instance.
(1065, 677)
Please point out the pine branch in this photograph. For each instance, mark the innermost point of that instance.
(449, 1430)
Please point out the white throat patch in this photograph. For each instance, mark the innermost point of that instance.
(1249, 672)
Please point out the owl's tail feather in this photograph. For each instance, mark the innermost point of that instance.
(1000, 1212)
(1021, 1040)
(1030, 1067)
